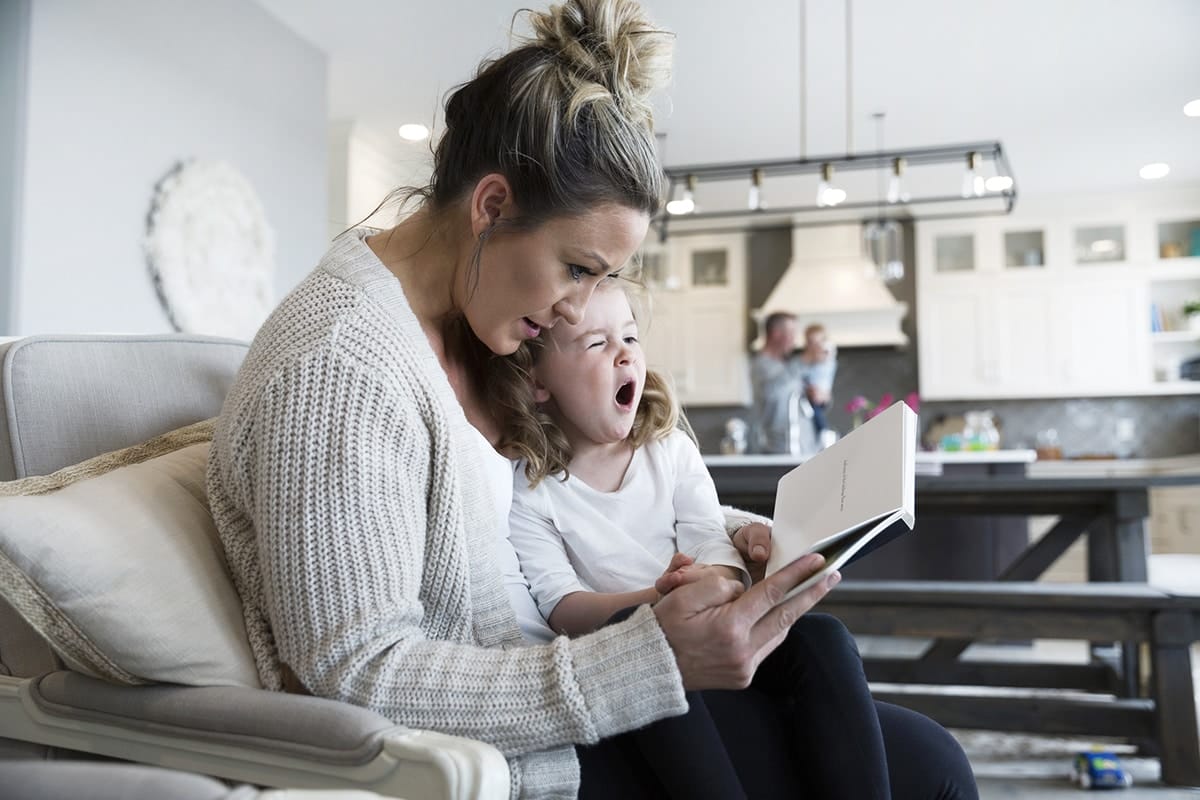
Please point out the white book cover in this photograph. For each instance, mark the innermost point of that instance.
(860, 491)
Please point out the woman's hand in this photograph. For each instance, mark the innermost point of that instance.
(753, 541)
(720, 632)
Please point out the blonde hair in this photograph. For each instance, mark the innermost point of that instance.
(565, 116)
(531, 434)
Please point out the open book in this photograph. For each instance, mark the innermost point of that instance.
(850, 498)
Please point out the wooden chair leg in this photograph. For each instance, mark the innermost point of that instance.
(1174, 697)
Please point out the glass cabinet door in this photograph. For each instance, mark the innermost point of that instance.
(1024, 249)
(1100, 244)
(954, 252)
(1179, 239)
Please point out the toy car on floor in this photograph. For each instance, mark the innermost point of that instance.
(1100, 770)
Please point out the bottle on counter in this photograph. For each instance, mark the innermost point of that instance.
(736, 438)
(980, 432)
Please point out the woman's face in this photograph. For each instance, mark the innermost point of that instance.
(529, 280)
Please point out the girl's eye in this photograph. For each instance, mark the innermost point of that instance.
(631, 340)
(577, 272)
(594, 345)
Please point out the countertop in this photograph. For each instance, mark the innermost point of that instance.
(927, 458)
(1116, 467)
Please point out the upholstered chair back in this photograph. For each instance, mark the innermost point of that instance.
(64, 399)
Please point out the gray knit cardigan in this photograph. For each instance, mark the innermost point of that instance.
(351, 503)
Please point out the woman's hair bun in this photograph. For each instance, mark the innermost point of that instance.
(608, 42)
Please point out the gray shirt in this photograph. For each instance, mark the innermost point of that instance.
(774, 382)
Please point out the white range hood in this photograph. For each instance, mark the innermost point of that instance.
(833, 282)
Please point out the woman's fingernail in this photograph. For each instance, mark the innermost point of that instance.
(758, 551)
(833, 579)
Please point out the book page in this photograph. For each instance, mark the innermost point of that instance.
(863, 478)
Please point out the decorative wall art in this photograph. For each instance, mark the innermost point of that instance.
(210, 250)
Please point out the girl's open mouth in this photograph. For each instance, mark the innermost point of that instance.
(625, 394)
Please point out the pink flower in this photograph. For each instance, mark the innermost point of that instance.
(881, 406)
(913, 401)
(857, 404)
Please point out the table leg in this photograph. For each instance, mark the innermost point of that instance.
(1117, 551)
(1175, 713)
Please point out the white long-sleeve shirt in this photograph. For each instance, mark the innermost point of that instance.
(571, 537)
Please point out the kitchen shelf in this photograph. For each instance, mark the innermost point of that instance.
(1170, 387)
(1172, 337)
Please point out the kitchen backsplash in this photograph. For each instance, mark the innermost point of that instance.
(1162, 426)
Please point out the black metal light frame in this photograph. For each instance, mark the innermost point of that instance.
(880, 159)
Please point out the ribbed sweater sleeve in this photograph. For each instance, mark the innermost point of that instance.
(365, 573)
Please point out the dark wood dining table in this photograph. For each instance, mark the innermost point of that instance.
(1111, 512)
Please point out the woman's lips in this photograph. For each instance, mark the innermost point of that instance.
(532, 329)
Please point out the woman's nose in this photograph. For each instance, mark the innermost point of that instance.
(570, 311)
(572, 306)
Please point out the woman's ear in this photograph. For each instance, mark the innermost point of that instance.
(491, 200)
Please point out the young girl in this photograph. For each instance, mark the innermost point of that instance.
(612, 505)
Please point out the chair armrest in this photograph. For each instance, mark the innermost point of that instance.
(251, 735)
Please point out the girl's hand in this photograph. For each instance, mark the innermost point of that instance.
(690, 573)
(672, 576)
(753, 541)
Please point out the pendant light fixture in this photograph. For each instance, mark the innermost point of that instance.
(883, 238)
(920, 183)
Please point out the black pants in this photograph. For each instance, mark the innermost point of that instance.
(806, 728)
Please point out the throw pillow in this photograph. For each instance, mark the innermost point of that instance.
(117, 563)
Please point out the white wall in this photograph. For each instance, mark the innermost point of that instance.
(119, 92)
(365, 168)
(14, 39)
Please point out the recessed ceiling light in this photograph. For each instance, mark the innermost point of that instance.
(1153, 172)
(1192, 109)
(414, 132)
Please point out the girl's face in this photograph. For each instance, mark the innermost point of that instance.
(592, 372)
(528, 281)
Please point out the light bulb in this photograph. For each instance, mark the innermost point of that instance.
(972, 183)
(827, 193)
(755, 199)
(895, 192)
(687, 203)
(998, 183)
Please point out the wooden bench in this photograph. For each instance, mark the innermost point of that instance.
(1160, 716)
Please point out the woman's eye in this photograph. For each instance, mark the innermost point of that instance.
(577, 272)
(631, 340)
(594, 345)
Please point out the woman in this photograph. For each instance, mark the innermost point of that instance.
(347, 476)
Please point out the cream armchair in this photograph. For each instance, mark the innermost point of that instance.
(65, 400)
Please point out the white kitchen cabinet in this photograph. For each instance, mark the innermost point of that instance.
(697, 327)
(984, 342)
(1104, 335)
(1055, 305)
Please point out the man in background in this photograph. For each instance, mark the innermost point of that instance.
(777, 386)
